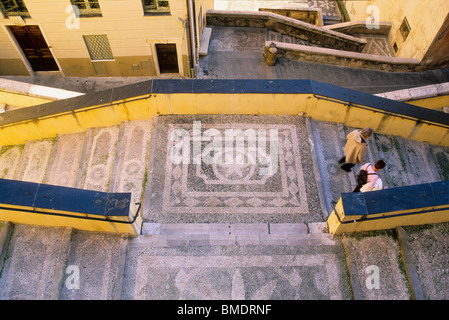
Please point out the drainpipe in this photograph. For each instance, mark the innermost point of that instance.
(192, 37)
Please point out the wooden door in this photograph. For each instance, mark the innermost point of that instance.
(167, 58)
(34, 47)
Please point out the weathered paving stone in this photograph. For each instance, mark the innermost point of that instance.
(288, 228)
(65, 160)
(441, 156)
(420, 164)
(99, 259)
(34, 160)
(329, 141)
(429, 254)
(98, 158)
(132, 158)
(9, 160)
(376, 266)
(34, 267)
(240, 189)
(395, 174)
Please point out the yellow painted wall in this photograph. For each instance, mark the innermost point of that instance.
(23, 217)
(16, 100)
(336, 227)
(425, 19)
(435, 103)
(132, 35)
(182, 103)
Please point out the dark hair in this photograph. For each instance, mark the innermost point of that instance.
(380, 164)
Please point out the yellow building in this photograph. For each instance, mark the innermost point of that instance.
(101, 37)
(419, 28)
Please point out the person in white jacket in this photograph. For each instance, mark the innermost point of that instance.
(373, 182)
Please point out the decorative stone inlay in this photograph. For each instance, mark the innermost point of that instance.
(65, 160)
(255, 181)
(34, 160)
(132, 162)
(99, 159)
(237, 277)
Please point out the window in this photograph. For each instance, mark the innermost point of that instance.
(405, 28)
(88, 8)
(155, 6)
(14, 8)
(98, 47)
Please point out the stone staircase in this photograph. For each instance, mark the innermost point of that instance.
(237, 248)
(110, 159)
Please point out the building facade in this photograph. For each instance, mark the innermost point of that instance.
(112, 38)
(419, 29)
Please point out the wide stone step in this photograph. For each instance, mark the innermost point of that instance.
(375, 265)
(232, 228)
(99, 260)
(60, 263)
(221, 234)
(34, 263)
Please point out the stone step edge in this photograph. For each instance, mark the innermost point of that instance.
(303, 240)
(149, 228)
(205, 234)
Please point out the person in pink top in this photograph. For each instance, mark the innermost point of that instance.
(372, 176)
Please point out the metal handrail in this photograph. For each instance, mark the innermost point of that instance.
(373, 109)
(77, 217)
(365, 218)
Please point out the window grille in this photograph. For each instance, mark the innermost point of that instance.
(14, 8)
(88, 8)
(156, 6)
(98, 47)
(405, 28)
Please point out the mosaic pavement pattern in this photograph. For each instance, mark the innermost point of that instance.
(246, 171)
(240, 273)
(377, 45)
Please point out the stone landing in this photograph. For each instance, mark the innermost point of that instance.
(251, 169)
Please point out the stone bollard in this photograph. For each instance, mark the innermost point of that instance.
(270, 54)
